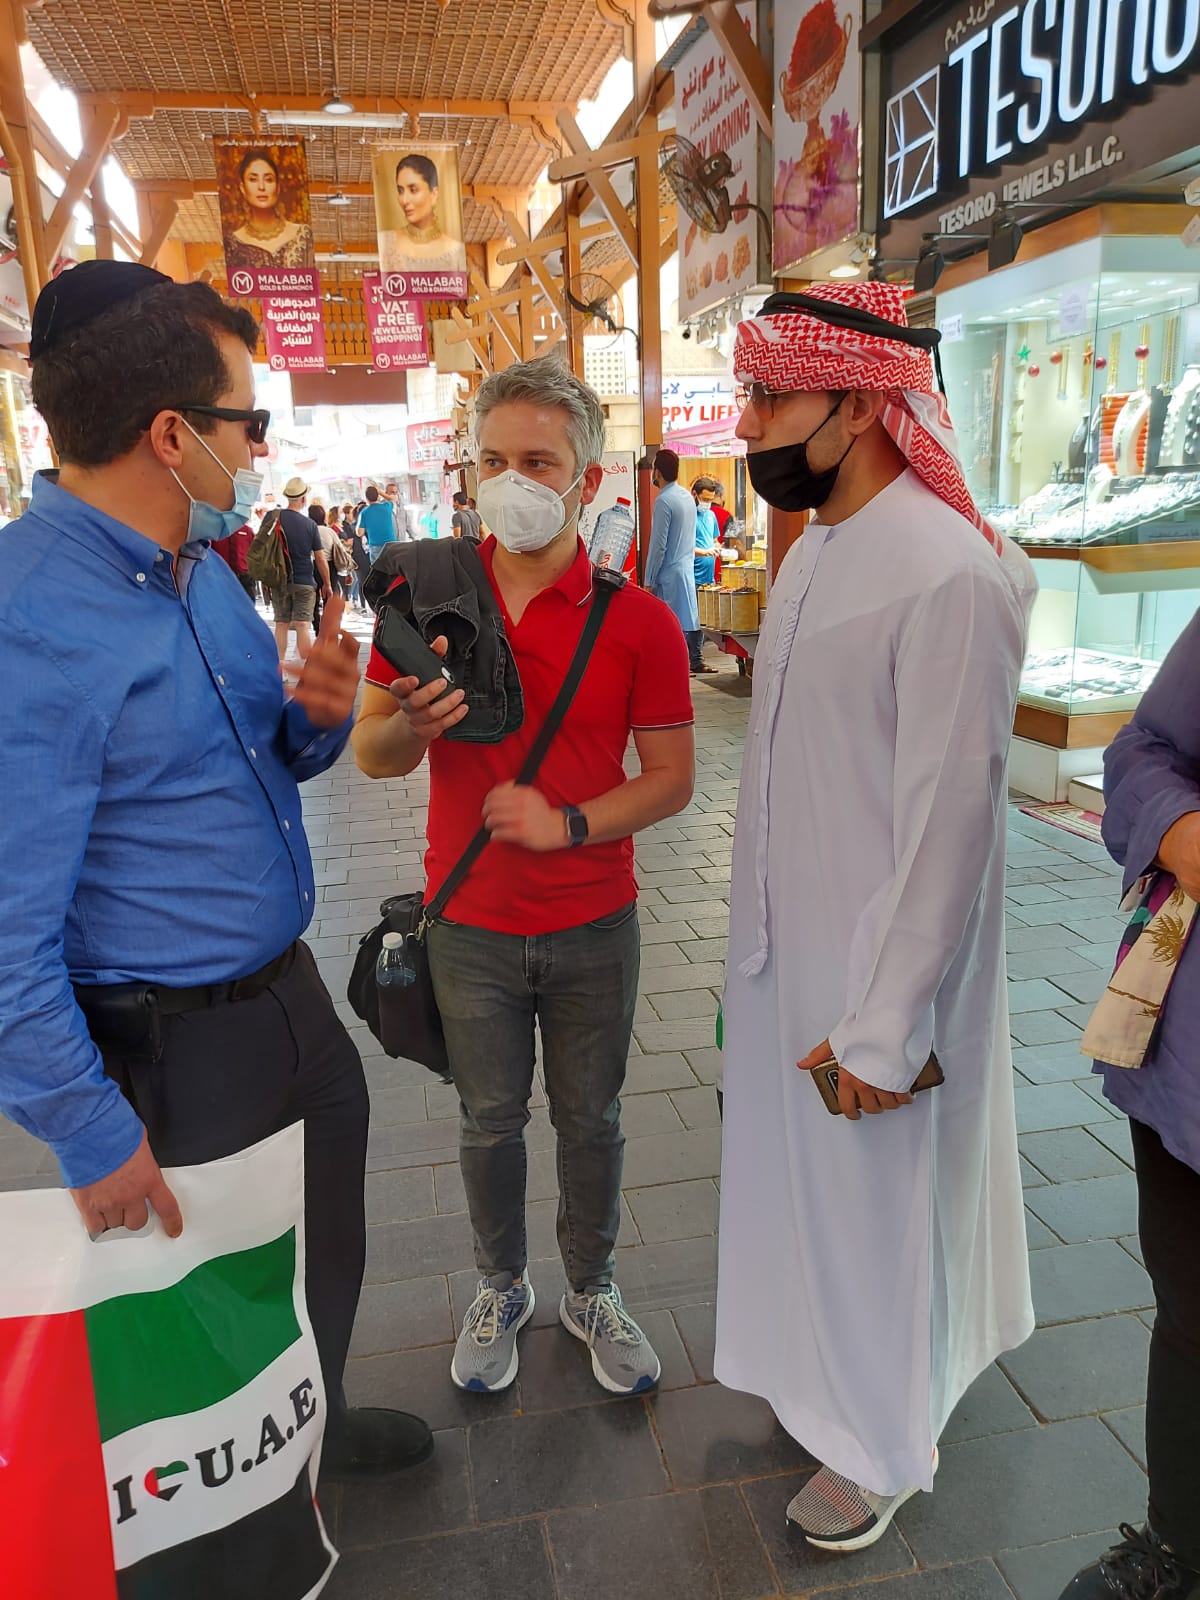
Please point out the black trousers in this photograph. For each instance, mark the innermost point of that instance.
(233, 1074)
(1168, 1221)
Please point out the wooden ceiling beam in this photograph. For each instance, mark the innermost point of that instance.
(146, 103)
(108, 123)
(753, 73)
(585, 162)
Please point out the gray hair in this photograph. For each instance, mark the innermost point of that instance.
(547, 382)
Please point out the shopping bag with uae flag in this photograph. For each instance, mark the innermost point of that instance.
(161, 1404)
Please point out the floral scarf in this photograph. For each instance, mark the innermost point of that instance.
(1124, 1022)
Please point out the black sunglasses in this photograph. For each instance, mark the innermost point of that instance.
(257, 422)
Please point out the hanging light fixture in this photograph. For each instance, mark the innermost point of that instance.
(335, 106)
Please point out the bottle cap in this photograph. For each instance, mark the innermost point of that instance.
(392, 941)
(621, 501)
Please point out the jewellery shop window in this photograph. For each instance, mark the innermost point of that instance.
(1074, 384)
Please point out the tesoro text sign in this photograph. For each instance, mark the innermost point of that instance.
(1001, 104)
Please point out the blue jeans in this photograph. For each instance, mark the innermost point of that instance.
(580, 986)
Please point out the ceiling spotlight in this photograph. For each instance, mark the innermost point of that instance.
(337, 251)
(1005, 240)
(338, 199)
(931, 263)
(335, 299)
(335, 106)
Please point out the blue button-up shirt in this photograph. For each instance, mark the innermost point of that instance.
(150, 828)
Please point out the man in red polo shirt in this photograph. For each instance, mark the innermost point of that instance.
(545, 928)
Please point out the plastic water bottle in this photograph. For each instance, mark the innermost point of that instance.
(393, 971)
(613, 537)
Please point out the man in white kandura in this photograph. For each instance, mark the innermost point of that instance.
(870, 1268)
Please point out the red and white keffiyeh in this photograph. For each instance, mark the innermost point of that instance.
(792, 350)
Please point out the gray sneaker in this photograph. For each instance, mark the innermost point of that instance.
(485, 1357)
(623, 1359)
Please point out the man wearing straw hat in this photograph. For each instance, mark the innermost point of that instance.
(870, 1266)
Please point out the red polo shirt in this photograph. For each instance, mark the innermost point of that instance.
(637, 678)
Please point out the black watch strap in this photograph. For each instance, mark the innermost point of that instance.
(577, 826)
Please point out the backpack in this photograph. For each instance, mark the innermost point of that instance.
(268, 560)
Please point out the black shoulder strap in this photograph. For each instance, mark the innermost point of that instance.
(603, 588)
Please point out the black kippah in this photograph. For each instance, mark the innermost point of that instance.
(80, 294)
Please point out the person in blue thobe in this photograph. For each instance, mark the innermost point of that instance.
(670, 560)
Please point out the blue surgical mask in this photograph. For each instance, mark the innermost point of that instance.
(204, 520)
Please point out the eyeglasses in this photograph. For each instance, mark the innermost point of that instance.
(257, 422)
(760, 397)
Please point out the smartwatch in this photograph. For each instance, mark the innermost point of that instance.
(577, 826)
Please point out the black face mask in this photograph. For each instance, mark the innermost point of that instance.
(784, 479)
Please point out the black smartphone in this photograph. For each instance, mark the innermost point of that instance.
(403, 648)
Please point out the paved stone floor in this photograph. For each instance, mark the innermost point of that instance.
(554, 1491)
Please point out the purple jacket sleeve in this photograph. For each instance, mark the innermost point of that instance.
(1152, 768)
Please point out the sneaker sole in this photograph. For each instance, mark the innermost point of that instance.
(867, 1539)
(477, 1385)
(644, 1384)
(864, 1539)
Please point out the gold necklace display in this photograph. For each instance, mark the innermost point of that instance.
(414, 230)
(1170, 351)
(271, 231)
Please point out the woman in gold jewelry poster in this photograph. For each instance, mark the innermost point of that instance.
(265, 223)
(418, 212)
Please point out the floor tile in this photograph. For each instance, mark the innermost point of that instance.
(400, 1196)
(654, 1277)
(672, 1157)
(593, 1455)
(419, 1381)
(713, 1434)
(434, 1498)
(675, 1210)
(1037, 1235)
(1034, 994)
(399, 1316)
(1067, 1155)
(1050, 1063)
(1079, 1368)
(698, 1329)
(1018, 1489)
(1073, 1281)
(1043, 1572)
(556, 1369)
(990, 1405)
(1115, 1134)
(397, 1250)
(699, 1546)
(1096, 1208)
(643, 1114)
(1129, 1425)
(1052, 1105)
(973, 1580)
(514, 1558)
(697, 1107)
(1042, 1027)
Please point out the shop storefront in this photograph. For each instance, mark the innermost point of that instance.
(1033, 168)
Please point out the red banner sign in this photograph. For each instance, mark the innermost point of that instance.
(429, 445)
(397, 327)
(295, 333)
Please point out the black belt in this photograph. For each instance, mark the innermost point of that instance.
(171, 1002)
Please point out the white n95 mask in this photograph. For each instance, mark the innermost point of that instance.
(523, 514)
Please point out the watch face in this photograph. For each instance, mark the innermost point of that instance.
(577, 826)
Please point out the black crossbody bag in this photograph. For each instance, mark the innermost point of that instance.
(408, 914)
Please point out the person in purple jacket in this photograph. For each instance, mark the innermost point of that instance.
(1152, 789)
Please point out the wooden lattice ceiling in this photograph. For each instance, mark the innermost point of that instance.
(411, 51)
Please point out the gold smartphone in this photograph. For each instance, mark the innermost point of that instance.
(825, 1076)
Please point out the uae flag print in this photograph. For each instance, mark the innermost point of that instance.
(160, 1441)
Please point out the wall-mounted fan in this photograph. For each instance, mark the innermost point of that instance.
(699, 183)
(595, 298)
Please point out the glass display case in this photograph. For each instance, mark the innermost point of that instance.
(1074, 385)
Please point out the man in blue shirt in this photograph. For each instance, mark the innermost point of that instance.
(671, 558)
(378, 523)
(156, 1003)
